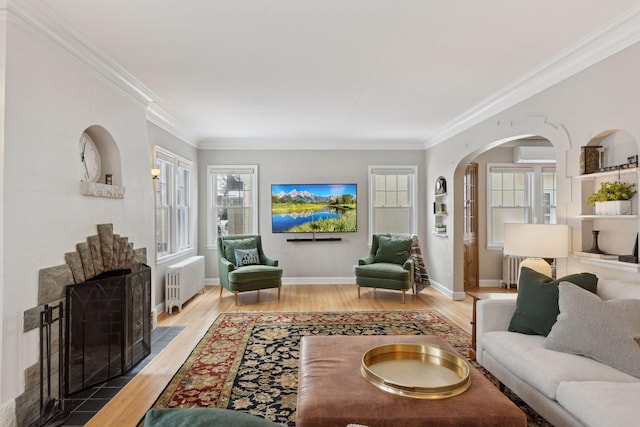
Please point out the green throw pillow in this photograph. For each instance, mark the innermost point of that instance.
(537, 303)
(393, 249)
(230, 247)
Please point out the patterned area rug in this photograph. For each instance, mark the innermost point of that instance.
(249, 361)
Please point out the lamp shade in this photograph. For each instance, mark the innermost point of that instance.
(536, 240)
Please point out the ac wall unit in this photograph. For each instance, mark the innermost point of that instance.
(534, 154)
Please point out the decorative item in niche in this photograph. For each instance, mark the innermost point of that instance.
(441, 185)
(613, 198)
(595, 249)
(633, 258)
(616, 190)
(108, 179)
(590, 159)
(90, 161)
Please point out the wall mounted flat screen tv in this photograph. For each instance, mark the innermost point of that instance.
(313, 208)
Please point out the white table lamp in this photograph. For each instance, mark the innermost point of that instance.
(536, 241)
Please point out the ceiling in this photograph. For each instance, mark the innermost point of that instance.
(335, 73)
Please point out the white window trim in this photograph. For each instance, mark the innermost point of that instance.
(535, 190)
(413, 192)
(212, 229)
(177, 161)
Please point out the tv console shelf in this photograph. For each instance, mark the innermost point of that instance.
(315, 239)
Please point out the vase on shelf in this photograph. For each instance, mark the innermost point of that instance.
(614, 207)
(594, 247)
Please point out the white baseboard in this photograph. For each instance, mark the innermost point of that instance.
(319, 280)
(457, 296)
(301, 281)
(154, 314)
(490, 283)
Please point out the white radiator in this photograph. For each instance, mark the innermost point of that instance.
(510, 266)
(184, 279)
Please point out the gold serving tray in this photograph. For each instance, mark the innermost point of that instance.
(421, 371)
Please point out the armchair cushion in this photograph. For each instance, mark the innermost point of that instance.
(255, 274)
(383, 270)
(393, 250)
(230, 247)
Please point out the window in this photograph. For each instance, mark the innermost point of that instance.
(232, 207)
(549, 187)
(174, 224)
(519, 194)
(392, 196)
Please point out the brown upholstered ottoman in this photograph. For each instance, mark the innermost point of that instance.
(332, 391)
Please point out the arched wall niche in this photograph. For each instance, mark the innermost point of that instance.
(109, 153)
(111, 164)
(619, 147)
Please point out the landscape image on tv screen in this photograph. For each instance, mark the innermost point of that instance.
(313, 208)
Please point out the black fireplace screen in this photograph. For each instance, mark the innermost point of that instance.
(108, 326)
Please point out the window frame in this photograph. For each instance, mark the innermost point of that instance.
(176, 163)
(534, 187)
(412, 172)
(212, 172)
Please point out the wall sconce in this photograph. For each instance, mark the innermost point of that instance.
(155, 173)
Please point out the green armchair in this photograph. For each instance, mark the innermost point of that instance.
(243, 266)
(388, 265)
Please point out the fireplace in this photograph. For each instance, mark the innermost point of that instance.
(108, 326)
(103, 296)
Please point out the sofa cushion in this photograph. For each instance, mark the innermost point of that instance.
(231, 245)
(608, 331)
(526, 357)
(601, 403)
(393, 249)
(246, 257)
(203, 417)
(537, 302)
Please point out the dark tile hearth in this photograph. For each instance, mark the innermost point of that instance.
(84, 404)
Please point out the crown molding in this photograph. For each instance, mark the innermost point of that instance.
(309, 144)
(44, 21)
(162, 119)
(39, 17)
(617, 35)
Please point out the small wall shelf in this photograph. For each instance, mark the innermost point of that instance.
(101, 190)
(610, 263)
(440, 207)
(608, 216)
(616, 161)
(315, 239)
(615, 173)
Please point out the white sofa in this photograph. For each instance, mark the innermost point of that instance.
(566, 389)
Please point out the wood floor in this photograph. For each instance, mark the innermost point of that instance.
(128, 407)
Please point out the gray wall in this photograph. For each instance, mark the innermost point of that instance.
(307, 262)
